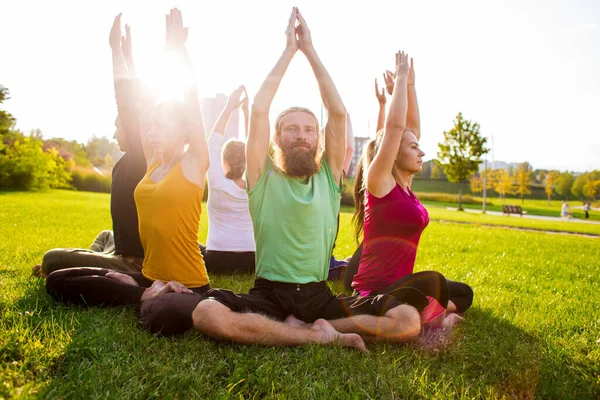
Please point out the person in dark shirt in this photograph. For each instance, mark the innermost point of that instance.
(120, 249)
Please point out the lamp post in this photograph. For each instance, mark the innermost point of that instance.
(484, 183)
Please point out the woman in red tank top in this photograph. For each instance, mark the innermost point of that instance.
(388, 213)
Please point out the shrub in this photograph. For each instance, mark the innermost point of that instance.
(25, 166)
(90, 181)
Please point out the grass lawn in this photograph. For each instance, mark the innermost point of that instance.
(533, 207)
(442, 213)
(533, 331)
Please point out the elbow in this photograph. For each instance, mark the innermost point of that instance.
(395, 126)
(259, 109)
(337, 112)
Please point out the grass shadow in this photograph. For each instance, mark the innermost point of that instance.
(103, 353)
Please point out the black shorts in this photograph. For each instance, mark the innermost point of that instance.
(311, 301)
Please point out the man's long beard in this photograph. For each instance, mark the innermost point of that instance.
(297, 162)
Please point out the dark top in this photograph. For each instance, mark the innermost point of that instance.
(127, 172)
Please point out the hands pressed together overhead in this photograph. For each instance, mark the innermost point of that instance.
(237, 98)
(297, 33)
(176, 34)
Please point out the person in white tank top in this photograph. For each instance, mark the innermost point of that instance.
(230, 246)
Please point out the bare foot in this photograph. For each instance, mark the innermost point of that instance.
(295, 322)
(452, 320)
(37, 271)
(437, 322)
(159, 288)
(325, 333)
(123, 278)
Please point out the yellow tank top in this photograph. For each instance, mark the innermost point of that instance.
(169, 215)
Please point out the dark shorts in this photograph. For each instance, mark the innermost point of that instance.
(311, 301)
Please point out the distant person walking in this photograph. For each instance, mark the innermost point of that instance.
(586, 208)
(565, 210)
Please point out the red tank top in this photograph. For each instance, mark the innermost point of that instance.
(392, 229)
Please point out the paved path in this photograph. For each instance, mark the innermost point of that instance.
(542, 217)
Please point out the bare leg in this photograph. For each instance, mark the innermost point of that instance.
(218, 321)
(452, 320)
(451, 307)
(400, 324)
(437, 322)
(295, 322)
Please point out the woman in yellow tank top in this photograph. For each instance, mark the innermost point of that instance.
(168, 201)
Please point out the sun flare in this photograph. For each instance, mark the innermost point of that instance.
(168, 78)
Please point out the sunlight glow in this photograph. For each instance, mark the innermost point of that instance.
(168, 78)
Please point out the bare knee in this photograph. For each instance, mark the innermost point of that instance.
(407, 323)
(210, 316)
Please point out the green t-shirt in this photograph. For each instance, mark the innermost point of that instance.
(295, 224)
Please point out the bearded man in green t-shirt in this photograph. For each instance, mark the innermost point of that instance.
(294, 200)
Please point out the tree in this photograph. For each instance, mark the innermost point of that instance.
(7, 121)
(460, 152)
(540, 175)
(99, 148)
(435, 172)
(25, 166)
(564, 184)
(491, 179)
(505, 183)
(4, 94)
(476, 184)
(551, 179)
(577, 188)
(591, 187)
(69, 150)
(523, 177)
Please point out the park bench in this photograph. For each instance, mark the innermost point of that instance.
(512, 210)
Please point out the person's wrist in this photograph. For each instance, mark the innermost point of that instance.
(289, 51)
(309, 52)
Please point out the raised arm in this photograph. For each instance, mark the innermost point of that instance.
(413, 118)
(245, 102)
(257, 148)
(216, 176)
(196, 160)
(349, 144)
(120, 71)
(379, 175)
(128, 53)
(381, 101)
(233, 102)
(126, 88)
(335, 129)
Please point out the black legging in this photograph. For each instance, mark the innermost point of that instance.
(429, 282)
(90, 286)
(229, 262)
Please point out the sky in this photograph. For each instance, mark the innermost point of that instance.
(527, 71)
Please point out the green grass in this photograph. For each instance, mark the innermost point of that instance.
(443, 214)
(533, 330)
(533, 207)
